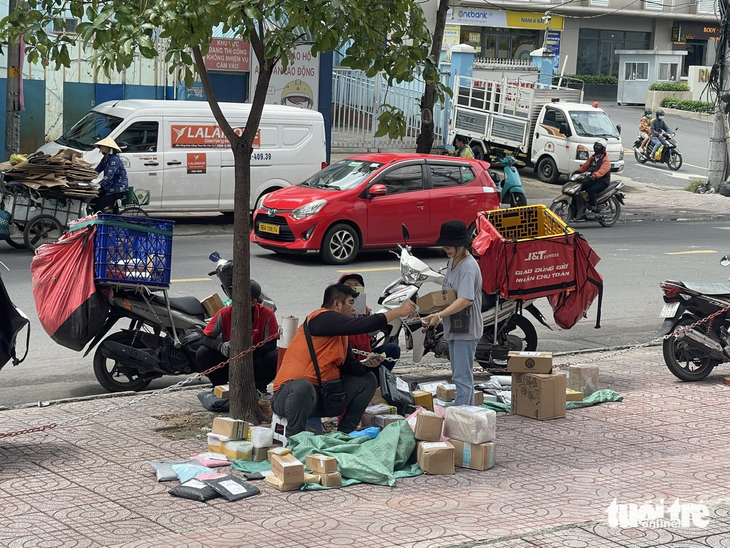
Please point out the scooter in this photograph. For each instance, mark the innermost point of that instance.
(693, 351)
(668, 153)
(512, 331)
(572, 204)
(510, 187)
(161, 339)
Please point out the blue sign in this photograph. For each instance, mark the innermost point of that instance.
(552, 43)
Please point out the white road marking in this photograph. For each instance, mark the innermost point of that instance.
(677, 175)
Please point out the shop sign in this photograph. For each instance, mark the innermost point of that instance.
(532, 20)
(228, 55)
(697, 31)
(452, 37)
(504, 19)
(552, 43)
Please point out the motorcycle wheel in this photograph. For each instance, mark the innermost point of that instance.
(517, 200)
(611, 212)
(521, 334)
(116, 377)
(562, 210)
(639, 156)
(674, 159)
(681, 362)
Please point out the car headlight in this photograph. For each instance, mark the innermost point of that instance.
(621, 154)
(581, 153)
(308, 210)
(260, 202)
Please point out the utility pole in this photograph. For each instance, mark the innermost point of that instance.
(719, 144)
(12, 104)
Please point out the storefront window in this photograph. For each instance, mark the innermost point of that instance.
(596, 49)
(494, 43)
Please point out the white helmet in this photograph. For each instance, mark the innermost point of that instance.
(600, 143)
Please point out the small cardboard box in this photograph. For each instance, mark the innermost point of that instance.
(446, 392)
(321, 464)
(539, 396)
(259, 454)
(378, 398)
(238, 450)
(212, 304)
(287, 468)
(573, 395)
(423, 399)
(333, 479)
(311, 478)
(381, 421)
(234, 429)
(282, 485)
(368, 417)
(436, 457)
(276, 451)
(476, 457)
(530, 362)
(583, 377)
(428, 426)
(478, 397)
(221, 391)
(436, 301)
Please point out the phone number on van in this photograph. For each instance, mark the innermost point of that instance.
(261, 156)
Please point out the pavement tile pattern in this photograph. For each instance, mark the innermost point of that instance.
(87, 484)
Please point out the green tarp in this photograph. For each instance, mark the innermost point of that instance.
(599, 396)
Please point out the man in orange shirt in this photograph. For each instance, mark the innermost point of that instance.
(296, 397)
(599, 167)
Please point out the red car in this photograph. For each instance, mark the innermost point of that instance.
(360, 203)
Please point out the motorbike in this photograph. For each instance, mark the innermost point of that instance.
(510, 187)
(572, 204)
(511, 332)
(695, 349)
(161, 338)
(670, 154)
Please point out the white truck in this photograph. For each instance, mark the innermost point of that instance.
(547, 126)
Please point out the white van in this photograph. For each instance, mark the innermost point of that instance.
(176, 150)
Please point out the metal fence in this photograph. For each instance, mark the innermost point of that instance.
(357, 102)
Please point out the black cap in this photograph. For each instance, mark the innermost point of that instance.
(454, 234)
(255, 290)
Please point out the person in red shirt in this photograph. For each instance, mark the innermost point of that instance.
(216, 342)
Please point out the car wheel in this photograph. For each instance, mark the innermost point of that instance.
(479, 153)
(340, 244)
(472, 230)
(547, 171)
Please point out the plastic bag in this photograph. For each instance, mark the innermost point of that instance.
(394, 390)
(187, 472)
(12, 321)
(213, 403)
(370, 432)
(233, 488)
(194, 490)
(211, 460)
(69, 307)
(164, 471)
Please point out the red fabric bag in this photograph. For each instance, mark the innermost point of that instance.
(69, 307)
(571, 306)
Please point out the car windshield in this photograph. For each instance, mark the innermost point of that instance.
(593, 123)
(91, 128)
(343, 175)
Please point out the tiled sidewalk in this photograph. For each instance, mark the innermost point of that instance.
(88, 484)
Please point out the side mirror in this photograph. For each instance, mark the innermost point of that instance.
(725, 261)
(618, 127)
(404, 231)
(215, 257)
(565, 129)
(378, 190)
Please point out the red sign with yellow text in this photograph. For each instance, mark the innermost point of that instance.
(205, 136)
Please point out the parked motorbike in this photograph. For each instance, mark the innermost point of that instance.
(510, 187)
(693, 351)
(162, 336)
(670, 154)
(572, 204)
(512, 330)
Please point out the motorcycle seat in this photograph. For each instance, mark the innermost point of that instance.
(708, 288)
(188, 305)
(609, 188)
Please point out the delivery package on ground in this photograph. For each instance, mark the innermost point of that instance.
(528, 252)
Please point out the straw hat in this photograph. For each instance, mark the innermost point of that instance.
(108, 142)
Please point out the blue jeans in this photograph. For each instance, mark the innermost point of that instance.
(462, 354)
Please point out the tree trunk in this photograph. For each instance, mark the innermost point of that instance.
(424, 141)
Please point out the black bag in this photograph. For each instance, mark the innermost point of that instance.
(12, 321)
(399, 396)
(332, 393)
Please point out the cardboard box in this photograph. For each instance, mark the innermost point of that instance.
(530, 362)
(470, 423)
(423, 399)
(221, 391)
(216, 442)
(573, 395)
(276, 451)
(287, 468)
(435, 301)
(538, 396)
(333, 479)
(436, 457)
(311, 478)
(259, 454)
(282, 485)
(381, 421)
(475, 457)
(446, 392)
(378, 398)
(234, 429)
(212, 305)
(238, 450)
(368, 417)
(478, 397)
(583, 377)
(428, 426)
(321, 464)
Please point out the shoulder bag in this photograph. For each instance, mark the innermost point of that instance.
(332, 395)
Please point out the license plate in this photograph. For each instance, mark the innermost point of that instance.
(270, 229)
(669, 310)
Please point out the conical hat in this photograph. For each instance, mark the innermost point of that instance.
(108, 142)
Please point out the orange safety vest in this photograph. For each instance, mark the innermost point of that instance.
(331, 353)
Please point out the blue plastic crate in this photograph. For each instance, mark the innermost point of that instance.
(134, 250)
